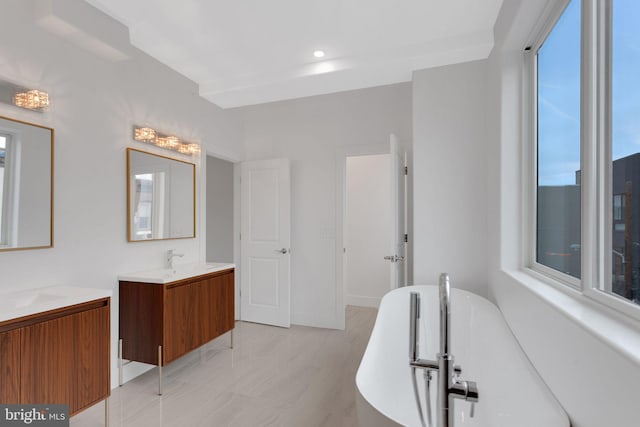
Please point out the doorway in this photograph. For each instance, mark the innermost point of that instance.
(367, 230)
(219, 210)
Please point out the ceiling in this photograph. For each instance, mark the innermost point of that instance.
(246, 52)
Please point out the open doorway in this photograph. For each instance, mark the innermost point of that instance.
(219, 210)
(367, 230)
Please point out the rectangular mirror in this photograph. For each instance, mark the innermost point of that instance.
(26, 185)
(160, 197)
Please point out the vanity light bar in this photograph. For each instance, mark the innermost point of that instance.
(169, 142)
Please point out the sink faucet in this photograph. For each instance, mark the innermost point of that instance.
(171, 254)
(450, 386)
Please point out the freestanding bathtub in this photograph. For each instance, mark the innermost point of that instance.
(511, 394)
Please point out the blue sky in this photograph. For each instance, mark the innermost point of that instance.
(559, 92)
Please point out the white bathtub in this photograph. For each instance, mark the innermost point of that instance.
(510, 391)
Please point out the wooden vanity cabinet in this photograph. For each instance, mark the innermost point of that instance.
(57, 357)
(179, 316)
(10, 366)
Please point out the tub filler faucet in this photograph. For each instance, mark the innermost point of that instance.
(450, 386)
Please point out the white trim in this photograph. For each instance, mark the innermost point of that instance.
(591, 269)
(611, 327)
(530, 135)
(606, 160)
(529, 160)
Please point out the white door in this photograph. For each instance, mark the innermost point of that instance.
(398, 244)
(265, 242)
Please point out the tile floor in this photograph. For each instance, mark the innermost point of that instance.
(294, 377)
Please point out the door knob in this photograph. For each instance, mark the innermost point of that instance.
(394, 258)
(282, 251)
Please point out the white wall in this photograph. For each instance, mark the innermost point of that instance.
(449, 181)
(367, 229)
(94, 105)
(219, 210)
(587, 366)
(311, 132)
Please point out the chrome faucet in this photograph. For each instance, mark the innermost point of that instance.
(450, 386)
(171, 254)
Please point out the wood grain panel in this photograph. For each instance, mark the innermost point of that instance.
(141, 307)
(224, 306)
(92, 365)
(47, 362)
(32, 319)
(183, 326)
(10, 366)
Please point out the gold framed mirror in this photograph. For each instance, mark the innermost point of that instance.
(161, 197)
(26, 185)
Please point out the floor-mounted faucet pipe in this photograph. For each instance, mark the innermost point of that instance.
(445, 314)
(414, 315)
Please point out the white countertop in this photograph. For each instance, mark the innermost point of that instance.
(180, 272)
(31, 301)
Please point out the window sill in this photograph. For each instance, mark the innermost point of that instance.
(616, 330)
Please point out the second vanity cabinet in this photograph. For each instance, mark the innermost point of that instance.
(60, 356)
(176, 317)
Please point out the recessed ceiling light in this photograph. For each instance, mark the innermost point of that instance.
(318, 53)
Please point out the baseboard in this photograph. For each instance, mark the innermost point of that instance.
(362, 301)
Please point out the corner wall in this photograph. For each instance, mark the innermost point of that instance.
(219, 215)
(450, 168)
(95, 103)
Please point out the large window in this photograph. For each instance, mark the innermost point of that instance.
(558, 135)
(625, 149)
(587, 127)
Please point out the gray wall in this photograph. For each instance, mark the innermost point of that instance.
(219, 210)
(449, 181)
(311, 132)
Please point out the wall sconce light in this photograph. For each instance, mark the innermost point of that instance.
(169, 142)
(32, 100)
(144, 134)
(19, 96)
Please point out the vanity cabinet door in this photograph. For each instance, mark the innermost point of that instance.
(218, 305)
(47, 362)
(10, 366)
(183, 321)
(91, 348)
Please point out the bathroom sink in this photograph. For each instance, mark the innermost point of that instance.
(23, 303)
(36, 298)
(26, 299)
